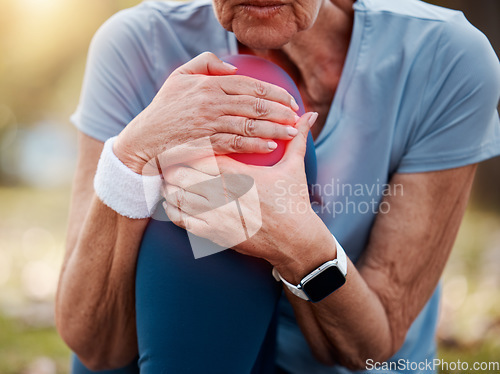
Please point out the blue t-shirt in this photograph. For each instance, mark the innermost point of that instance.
(418, 93)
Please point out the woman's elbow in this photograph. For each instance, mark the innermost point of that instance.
(79, 337)
(350, 360)
(75, 339)
(355, 360)
(95, 351)
(350, 357)
(92, 355)
(358, 356)
(95, 362)
(362, 356)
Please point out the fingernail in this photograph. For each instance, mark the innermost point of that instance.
(227, 64)
(293, 103)
(272, 145)
(296, 118)
(292, 131)
(312, 119)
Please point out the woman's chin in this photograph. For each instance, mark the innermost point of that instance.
(263, 38)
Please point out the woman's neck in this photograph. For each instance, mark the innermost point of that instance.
(315, 57)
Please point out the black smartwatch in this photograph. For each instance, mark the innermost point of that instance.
(322, 281)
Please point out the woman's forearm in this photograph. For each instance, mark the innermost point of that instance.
(95, 306)
(349, 326)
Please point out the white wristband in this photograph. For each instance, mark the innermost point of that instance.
(129, 194)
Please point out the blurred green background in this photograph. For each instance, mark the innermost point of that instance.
(43, 45)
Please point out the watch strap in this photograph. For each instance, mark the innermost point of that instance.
(296, 290)
(341, 257)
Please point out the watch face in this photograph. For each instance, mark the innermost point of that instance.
(323, 284)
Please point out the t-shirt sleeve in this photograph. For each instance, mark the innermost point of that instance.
(119, 80)
(458, 118)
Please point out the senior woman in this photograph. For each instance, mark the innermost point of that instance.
(406, 95)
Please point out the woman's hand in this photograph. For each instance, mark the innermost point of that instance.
(261, 225)
(205, 99)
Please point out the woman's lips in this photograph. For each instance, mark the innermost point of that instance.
(262, 9)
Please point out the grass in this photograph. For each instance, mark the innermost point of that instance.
(485, 353)
(21, 345)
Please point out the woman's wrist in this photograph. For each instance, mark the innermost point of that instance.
(124, 151)
(315, 247)
(127, 192)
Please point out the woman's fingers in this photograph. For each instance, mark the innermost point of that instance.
(190, 203)
(257, 108)
(184, 220)
(206, 63)
(240, 85)
(255, 128)
(191, 187)
(188, 178)
(296, 148)
(205, 100)
(227, 143)
(196, 192)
